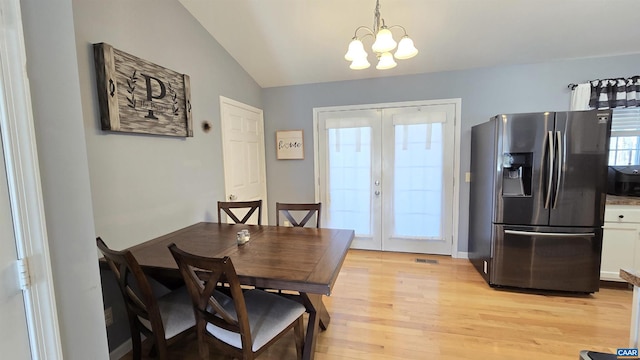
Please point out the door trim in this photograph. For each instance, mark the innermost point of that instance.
(25, 190)
(457, 102)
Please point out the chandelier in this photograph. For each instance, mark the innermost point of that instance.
(382, 46)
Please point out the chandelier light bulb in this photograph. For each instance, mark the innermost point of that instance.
(360, 63)
(386, 62)
(356, 50)
(406, 50)
(384, 41)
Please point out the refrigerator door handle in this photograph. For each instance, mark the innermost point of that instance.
(536, 233)
(550, 146)
(560, 162)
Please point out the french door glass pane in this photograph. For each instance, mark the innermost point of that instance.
(350, 179)
(418, 187)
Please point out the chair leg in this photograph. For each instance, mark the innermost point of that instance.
(161, 348)
(203, 347)
(136, 340)
(298, 330)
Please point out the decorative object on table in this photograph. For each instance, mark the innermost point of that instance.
(290, 144)
(382, 47)
(241, 238)
(137, 96)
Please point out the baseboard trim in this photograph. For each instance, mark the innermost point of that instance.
(121, 350)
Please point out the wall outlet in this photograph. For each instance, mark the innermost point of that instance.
(467, 177)
(108, 316)
(287, 223)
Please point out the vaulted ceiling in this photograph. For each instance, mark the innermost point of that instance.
(290, 42)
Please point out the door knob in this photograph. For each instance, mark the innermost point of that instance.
(377, 192)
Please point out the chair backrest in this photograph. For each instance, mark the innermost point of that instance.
(228, 206)
(139, 299)
(202, 290)
(286, 209)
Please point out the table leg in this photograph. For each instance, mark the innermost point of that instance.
(324, 314)
(311, 303)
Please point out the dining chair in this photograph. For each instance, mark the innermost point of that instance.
(162, 320)
(229, 206)
(298, 209)
(242, 324)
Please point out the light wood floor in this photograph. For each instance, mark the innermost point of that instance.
(388, 306)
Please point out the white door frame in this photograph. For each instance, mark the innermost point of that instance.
(25, 192)
(263, 170)
(456, 167)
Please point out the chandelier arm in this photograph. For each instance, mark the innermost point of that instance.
(370, 32)
(398, 26)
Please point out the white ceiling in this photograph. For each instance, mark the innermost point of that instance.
(289, 42)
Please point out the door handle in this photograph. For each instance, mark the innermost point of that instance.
(536, 233)
(550, 167)
(560, 159)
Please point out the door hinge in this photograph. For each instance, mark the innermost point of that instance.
(23, 274)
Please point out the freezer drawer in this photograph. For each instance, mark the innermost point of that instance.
(548, 258)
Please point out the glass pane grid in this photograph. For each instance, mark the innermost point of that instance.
(349, 180)
(418, 181)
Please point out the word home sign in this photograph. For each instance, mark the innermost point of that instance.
(137, 96)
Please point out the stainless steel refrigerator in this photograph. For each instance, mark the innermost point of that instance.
(537, 196)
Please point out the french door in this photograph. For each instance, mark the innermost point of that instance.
(387, 173)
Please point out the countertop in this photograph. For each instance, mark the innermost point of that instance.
(631, 276)
(622, 200)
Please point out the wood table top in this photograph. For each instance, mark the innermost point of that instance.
(276, 257)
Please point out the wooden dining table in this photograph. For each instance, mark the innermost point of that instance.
(304, 260)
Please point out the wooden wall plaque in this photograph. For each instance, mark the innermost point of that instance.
(137, 96)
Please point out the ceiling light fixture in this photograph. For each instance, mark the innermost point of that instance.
(382, 46)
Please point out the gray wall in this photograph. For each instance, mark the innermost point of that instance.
(62, 152)
(484, 93)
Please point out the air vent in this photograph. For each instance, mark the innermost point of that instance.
(426, 261)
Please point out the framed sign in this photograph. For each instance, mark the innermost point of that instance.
(137, 96)
(290, 144)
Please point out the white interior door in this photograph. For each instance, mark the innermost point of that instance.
(244, 155)
(388, 174)
(14, 335)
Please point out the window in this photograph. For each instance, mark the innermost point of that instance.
(624, 148)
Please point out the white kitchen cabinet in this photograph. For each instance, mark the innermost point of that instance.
(620, 241)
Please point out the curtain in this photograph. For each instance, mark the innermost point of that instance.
(606, 94)
(580, 97)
